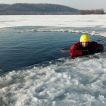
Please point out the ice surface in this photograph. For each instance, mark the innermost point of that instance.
(81, 82)
(61, 21)
(78, 82)
(53, 20)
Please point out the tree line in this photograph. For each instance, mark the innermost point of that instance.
(97, 11)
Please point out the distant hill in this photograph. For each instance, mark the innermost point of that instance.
(36, 9)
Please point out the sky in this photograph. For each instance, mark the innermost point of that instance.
(79, 4)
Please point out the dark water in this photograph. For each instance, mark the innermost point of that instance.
(18, 50)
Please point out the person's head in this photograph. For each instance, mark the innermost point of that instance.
(84, 39)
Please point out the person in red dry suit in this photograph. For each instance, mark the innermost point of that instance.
(85, 47)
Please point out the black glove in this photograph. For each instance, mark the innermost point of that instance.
(99, 50)
(86, 52)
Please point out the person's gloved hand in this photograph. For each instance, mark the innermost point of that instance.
(86, 52)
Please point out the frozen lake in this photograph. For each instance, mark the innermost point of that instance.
(35, 73)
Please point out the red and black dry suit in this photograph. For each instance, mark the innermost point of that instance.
(78, 50)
